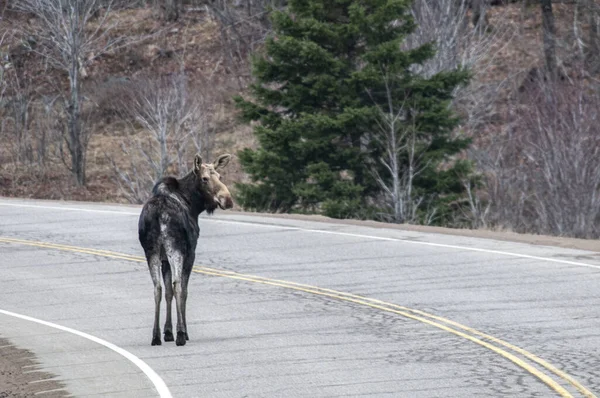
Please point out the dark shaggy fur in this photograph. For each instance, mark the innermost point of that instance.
(168, 232)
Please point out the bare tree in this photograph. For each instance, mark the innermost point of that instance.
(71, 34)
(479, 15)
(4, 35)
(593, 54)
(401, 157)
(174, 115)
(587, 12)
(477, 210)
(49, 129)
(400, 197)
(4, 76)
(169, 9)
(16, 102)
(549, 36)
(244, 26)
(18, 116)
(28, 121)
(542, 175)
(561, 145)
(500, 203)
(458, 44)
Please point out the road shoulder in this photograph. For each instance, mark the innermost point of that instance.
(68, 362)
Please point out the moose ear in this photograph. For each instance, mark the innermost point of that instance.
(222, 161)
(197, 163)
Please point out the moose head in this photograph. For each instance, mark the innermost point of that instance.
(210, 181)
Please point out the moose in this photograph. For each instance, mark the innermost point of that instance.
(168, 232)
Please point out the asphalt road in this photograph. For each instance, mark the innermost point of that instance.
(288, 308)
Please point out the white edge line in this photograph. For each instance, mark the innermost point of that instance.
(69, 208)
(473, 249)
(158, 382)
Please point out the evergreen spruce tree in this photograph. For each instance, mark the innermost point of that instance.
(321, 85)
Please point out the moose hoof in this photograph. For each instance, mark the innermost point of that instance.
(186, 336)
(180, 338)
(168, 335)
(156, 341)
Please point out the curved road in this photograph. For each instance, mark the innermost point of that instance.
(290, 308)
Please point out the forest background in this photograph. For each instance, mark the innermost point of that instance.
(459, 113)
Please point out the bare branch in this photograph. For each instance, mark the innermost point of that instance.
(175, 116)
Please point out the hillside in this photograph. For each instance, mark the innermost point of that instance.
(215, 63)
(160, 49)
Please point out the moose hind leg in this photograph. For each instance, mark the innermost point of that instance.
(166, 272)
(154, 265)
(185, 293)
(181, 332)
(176, 260)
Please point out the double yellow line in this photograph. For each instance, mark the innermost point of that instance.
(473, 335)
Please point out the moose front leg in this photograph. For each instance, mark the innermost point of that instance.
(185, 281)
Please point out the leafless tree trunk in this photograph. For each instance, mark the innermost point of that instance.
(398, 138)
(170, 9)
(69, 42)
(478, 210)
(48, 129)
(590, 11)
(4, 35)
(579, 41)
(549, 36)
(479, 16)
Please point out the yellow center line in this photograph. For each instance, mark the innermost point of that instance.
(406, 312)
(585, 392)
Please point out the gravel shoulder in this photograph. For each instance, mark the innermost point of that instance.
(19, 377)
